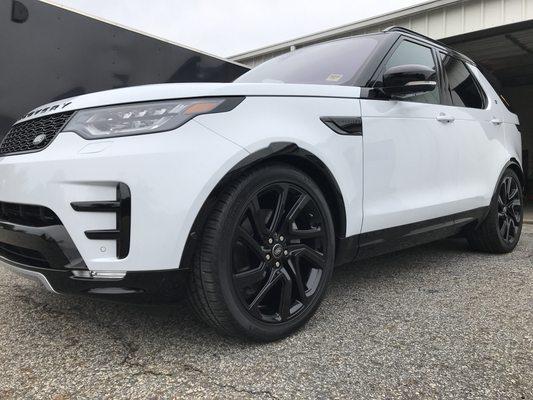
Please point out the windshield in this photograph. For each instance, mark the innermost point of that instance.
(332, 63)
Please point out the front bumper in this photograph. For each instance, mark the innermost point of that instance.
(155, 285)
(169, 175)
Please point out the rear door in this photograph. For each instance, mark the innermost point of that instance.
(410, 155)
(481, 147)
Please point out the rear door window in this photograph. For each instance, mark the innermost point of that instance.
(463, 87)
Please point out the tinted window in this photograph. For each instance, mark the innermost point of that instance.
(412, 53)
(463, 87)
(333, 63)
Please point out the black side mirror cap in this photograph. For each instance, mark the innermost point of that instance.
(409, 79)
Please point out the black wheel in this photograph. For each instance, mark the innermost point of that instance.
(266, 255)
(500, 231)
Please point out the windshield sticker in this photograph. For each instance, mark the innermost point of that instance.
(334, 77)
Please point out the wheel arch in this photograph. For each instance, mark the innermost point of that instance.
(517, 168)
(514, 165)
(284, 152)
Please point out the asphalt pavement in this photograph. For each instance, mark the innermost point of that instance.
(437, 321)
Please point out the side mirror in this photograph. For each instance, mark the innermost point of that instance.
(408, 80)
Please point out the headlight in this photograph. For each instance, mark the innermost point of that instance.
(142, 118)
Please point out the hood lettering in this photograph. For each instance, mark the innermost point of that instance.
(43, 110)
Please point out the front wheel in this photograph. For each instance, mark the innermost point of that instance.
(266, 255)
(501, 229)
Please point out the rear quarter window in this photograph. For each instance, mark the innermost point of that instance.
(464, 89)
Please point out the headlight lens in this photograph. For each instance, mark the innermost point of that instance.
(142, 118)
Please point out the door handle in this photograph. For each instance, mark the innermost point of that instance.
(445, 118)
(496, 121)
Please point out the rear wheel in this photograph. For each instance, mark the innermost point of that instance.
(266, 255)
(500, 231)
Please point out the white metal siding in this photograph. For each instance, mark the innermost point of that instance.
(443, 20)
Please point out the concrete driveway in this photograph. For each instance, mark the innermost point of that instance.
(437, 321)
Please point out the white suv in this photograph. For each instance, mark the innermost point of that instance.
(251, 192)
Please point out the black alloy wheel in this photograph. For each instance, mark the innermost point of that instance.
(509, 209)
(500, 231)
(265, 256)
(278, 252)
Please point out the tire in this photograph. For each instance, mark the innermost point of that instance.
(265, 256)
(500, 231)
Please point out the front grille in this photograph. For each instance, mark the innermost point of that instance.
(28, 215)
(20, 138)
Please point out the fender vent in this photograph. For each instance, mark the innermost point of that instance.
(344, 125)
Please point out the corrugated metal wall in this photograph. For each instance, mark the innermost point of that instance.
(440, 22)
(468, 17)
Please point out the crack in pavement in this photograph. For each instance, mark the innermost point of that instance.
(245, 390)
(115, 333)
(77, 313)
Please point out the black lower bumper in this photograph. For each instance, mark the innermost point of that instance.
(39, 246)
(149, 285)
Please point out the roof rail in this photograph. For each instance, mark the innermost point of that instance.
(427, 38)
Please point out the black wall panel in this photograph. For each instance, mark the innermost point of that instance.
(48, 53)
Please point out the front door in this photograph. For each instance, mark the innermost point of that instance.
(410, 154)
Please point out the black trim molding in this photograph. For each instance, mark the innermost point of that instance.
(122, 208)
(383, 241)
(295, 155)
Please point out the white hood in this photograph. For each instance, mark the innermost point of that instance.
(189, 90)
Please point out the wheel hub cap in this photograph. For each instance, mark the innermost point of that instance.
(277, 250)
